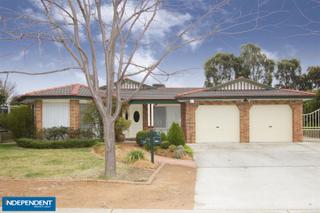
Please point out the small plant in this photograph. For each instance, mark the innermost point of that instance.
(142, 136)
(172, 148)
(188, 150)
(134, 156)
(165, 144)
(175, 135)
(121, 125)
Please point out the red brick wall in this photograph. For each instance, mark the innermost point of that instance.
(297, 110)
(145, 116)
(38, 114)
(188, 117)
(74, 114)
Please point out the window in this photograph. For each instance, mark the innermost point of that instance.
(83, 110)
(160, 117)
(136, 116)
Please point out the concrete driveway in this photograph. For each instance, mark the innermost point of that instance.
(257, 176)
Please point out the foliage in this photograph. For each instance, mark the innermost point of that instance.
(19, 121)
(6, 91)
(220, 68)
(163, 136)
(62, 133)
(92, 118)
(134, 156)
(314, 76)
(255, 64)
(312, 105)
(175, 135)
(121, 125)
(172, 148)
(252, 63)
(44, 144)
(142, 136)
(55, 133)
(288, 73)
(188, 150)
(165, 144)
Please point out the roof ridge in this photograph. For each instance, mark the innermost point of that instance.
(191, 92)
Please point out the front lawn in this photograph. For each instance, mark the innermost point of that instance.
(17, 162)
(76, 163)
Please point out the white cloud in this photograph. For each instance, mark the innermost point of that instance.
(162, 24)
(274, 55)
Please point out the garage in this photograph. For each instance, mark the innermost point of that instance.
(217, 123)
(270, 123)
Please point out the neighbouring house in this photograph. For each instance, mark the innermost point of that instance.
(237, 111)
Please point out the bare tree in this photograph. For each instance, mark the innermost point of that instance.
(75, 25)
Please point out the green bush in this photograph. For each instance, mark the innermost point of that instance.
(163, 136)
(134, 155)
(172, 147)
(141, 136)
(165, 144)
(175, 135)
(188, 150)
(43, 144)
(19, 121)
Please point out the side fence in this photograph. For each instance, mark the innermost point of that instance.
(311, 126)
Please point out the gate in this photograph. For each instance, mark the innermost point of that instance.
(311, 126)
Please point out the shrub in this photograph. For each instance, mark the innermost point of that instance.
(55, 133)
(142, 136)
(172, 147)
(20, 121)
(63, 133)
(188, 150)
(134, 155)
(164, 144)
(43, 144)
(175, 135)
(163, 136)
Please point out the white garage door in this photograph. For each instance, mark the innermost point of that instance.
(270, 123)
(217, 124)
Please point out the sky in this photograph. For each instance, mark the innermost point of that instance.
(281, 28)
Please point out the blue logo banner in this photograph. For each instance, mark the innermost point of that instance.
(28, 203)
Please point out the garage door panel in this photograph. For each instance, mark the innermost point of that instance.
(217, 124)
(270, 123)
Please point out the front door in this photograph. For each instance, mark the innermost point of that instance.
(135, 116)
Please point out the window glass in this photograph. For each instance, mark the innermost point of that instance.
(160, 117)
(136, 116)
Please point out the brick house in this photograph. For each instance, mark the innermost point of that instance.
(237, 111)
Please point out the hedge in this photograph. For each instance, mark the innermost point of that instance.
(44, 144)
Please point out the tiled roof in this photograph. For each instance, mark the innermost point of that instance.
(78, 90)
(165, 93)
(233, 94)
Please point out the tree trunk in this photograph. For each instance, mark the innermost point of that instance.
(110, 152)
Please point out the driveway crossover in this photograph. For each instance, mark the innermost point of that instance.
(257, 176)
